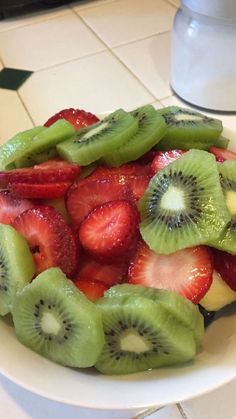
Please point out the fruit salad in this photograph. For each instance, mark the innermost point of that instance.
(117, 236)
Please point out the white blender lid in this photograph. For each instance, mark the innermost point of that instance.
(225, 9)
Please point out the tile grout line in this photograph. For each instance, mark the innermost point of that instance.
(181, 411)
(25, 107)
(171, 4)
(147, 412)
(71, 6)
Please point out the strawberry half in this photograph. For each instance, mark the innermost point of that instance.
(188, 272)
(92, 289)
(52, 171)
(50, 239)
(11, 207)
(110, 231)
(77, 117)
(221, 154)
(163, 158)
(110, 274)
(86, 194)
(39, 191)
(225, 265)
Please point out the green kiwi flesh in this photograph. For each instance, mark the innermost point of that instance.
(140, 334)
(183, 205)
(227, 239)
(178, 306)
(151, 128)
(43, 145)
(16, 266)
(52, 317)
(102, 138)
(188, 129)
(15, 146)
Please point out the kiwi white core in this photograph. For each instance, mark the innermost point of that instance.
(231, 202)
(187, 117)
(173, 199)
(133, 342)
(50, 324)
(96, 130)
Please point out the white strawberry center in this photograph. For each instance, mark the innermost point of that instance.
(231, 202)
(173, 199)
(50, 324)
(133, 342)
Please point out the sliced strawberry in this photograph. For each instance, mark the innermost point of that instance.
(138, 185)
(92, 289)
(49, 172)
(110, 231)
(77, 117)
(221, 154)
(147, 157)
(11, 207)
(50, 239)
(110, 274)
(225, 265)
(188, 272)
(86, 194)
(163, 158)
(40, 191)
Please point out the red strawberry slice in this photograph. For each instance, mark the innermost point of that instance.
(77, 117)
(92, 289)
(110, 274)
(221, 154)
(188, 272)
(86, 194)
(50, 239)
(163, 158)
(110, 231)
(49, 172)
(225, 265)
(39, 191)
(11, 207)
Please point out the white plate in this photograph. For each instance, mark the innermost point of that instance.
(213, 367)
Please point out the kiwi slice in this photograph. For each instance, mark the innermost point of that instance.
(43, 145)
(178, 306)
(100, 139)
(188, 129)
(140, 334)
(151, 128)
(221, 142)
(16, 266)
(183, 205)
(52, 317)
(15, 145)
(227, 239)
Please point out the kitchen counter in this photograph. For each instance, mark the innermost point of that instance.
(99, 56)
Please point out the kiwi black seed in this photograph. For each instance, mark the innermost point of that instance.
(188, 129)
(16, 266)
(183, 205)
(151, 128)
(100, 139)
(43, 145)
(227, 239)
(178, 306)
(52, 317)
(140, 334)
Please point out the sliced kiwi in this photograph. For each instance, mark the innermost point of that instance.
(188, 129)
(16, 266)
(219, 294)
(100, 139)
(227, 239)
(183, 205)
(179, 307)
(221, 142)
(151, 128)
(52, 317)
(14, 146)
(140, 334)
(42, 146)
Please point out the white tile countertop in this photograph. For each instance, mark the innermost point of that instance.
(99, 56)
